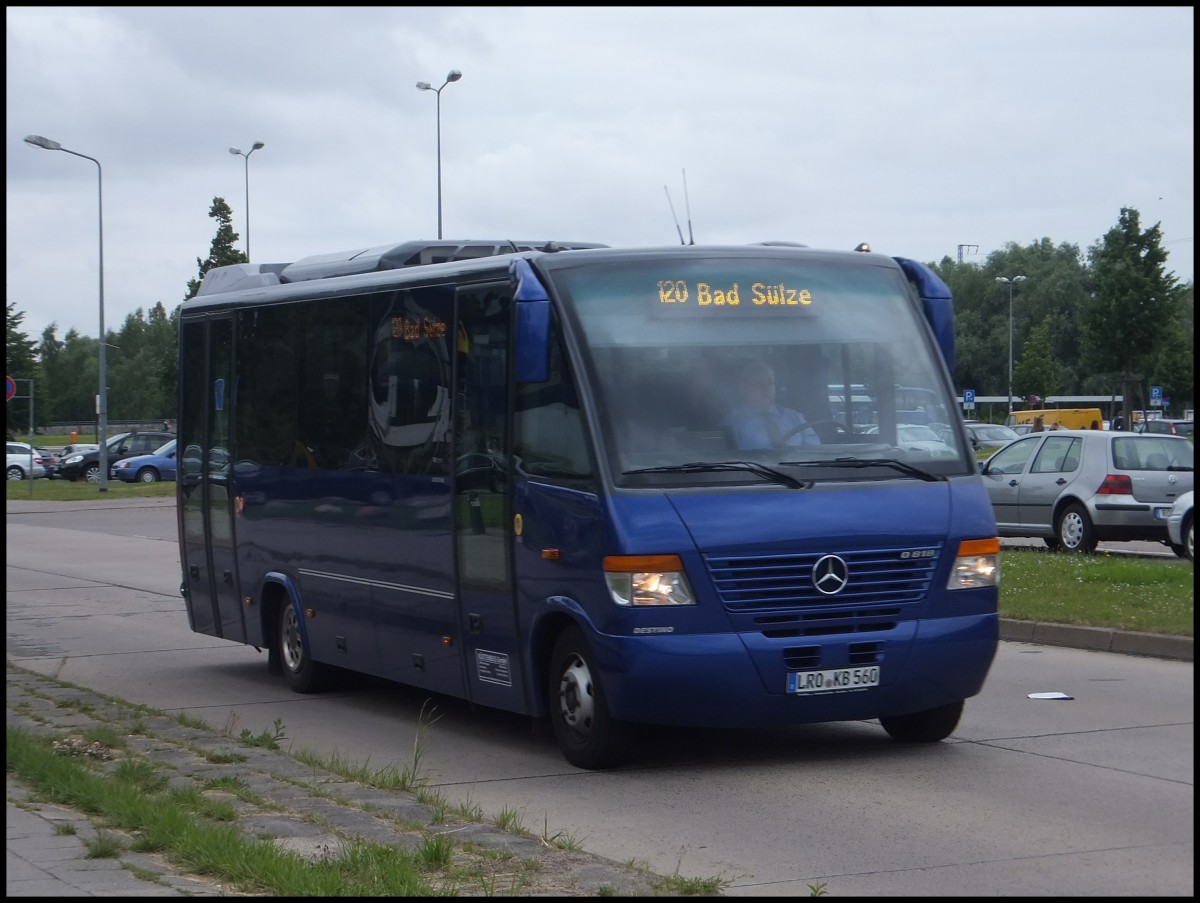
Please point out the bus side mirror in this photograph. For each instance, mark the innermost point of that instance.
(532, 350)
(533, 341)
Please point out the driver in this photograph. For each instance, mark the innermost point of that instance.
(757, 421)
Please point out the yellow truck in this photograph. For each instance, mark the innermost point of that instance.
(1066, 418)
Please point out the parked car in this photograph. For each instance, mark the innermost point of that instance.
(159, 465)
(49, 461)
(1179, 527)
(86, 465)
(22, 460)
(77, 448)
(1170, 427)
(985, 436)
(1075, 488)
(917, 437)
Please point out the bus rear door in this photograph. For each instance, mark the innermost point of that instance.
(205, 473)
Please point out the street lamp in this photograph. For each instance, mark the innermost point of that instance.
(258, 145)
(1010, 283)
(102, 397)
(453, 76)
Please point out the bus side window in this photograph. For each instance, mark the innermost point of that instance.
(550, 438)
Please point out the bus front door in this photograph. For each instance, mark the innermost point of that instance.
(205, 474)
(482, 519)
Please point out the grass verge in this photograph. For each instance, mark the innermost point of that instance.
(1119, 592)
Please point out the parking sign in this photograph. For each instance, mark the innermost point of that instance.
(969, 399)
(1156, 399)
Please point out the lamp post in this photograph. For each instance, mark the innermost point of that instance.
(453, 76)
(1010, 283)
(102, 397)
(258, 145)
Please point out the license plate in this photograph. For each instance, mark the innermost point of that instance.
(836, 680)
(1162, 513)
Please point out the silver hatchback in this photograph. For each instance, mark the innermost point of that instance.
(1075, 488)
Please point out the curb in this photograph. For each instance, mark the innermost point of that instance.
(1100, 639)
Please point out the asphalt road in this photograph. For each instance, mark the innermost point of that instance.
(1090, 796)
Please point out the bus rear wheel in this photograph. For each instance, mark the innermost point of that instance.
(302, 674)
(929, 726)
(587, 734)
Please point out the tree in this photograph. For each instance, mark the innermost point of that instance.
(222, 252)
(20, 362)
(1036, 373)
(1134, 304)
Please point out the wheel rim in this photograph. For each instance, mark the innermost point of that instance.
(291, 647)
(14, 474)
(1072, 530)
(576, 704)
(92, 474)
(147, 476)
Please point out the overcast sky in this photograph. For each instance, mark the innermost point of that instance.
(914, 129)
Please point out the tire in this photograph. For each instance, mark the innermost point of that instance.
(302, 674)
(929, 726)
(91, 473)
(147, 475)
(587, 734)
(1186, 549)
(15, 473)
(1075, 531)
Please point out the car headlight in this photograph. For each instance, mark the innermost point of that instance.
(977, 564)
(647, 580)
(120, 465)
(74, 459)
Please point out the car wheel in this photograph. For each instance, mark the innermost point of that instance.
(585, 730)
(147, 475)
(15, 473)
(1052, 544)
(1074, 530)
(299, 670)
(929, 726)
(91, 473)
(1186, 549)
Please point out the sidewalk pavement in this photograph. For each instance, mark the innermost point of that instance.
(46, 850)
(298, 807)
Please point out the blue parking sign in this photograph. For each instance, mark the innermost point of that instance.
(968, 396)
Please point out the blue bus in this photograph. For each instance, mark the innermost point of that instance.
(519, 474)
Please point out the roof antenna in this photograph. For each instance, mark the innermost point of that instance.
(673, 216)
(688, 208)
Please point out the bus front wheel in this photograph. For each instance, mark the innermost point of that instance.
(299, 670)
(587, 734)
(929, 726)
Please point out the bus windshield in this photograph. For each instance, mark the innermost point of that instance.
(685, 356)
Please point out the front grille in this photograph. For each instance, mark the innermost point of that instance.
(879, 580)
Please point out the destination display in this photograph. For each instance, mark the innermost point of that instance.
(707, 294)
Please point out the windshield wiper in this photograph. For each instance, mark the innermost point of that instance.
(901, 466)
(767, 473)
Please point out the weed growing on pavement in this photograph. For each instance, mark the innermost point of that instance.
(436, 851)
(559, 839)
(509, 819)
(105, 845)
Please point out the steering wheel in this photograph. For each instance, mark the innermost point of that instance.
(809, 424)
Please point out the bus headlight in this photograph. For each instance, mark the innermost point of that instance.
(977, 564)
(647, 580)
